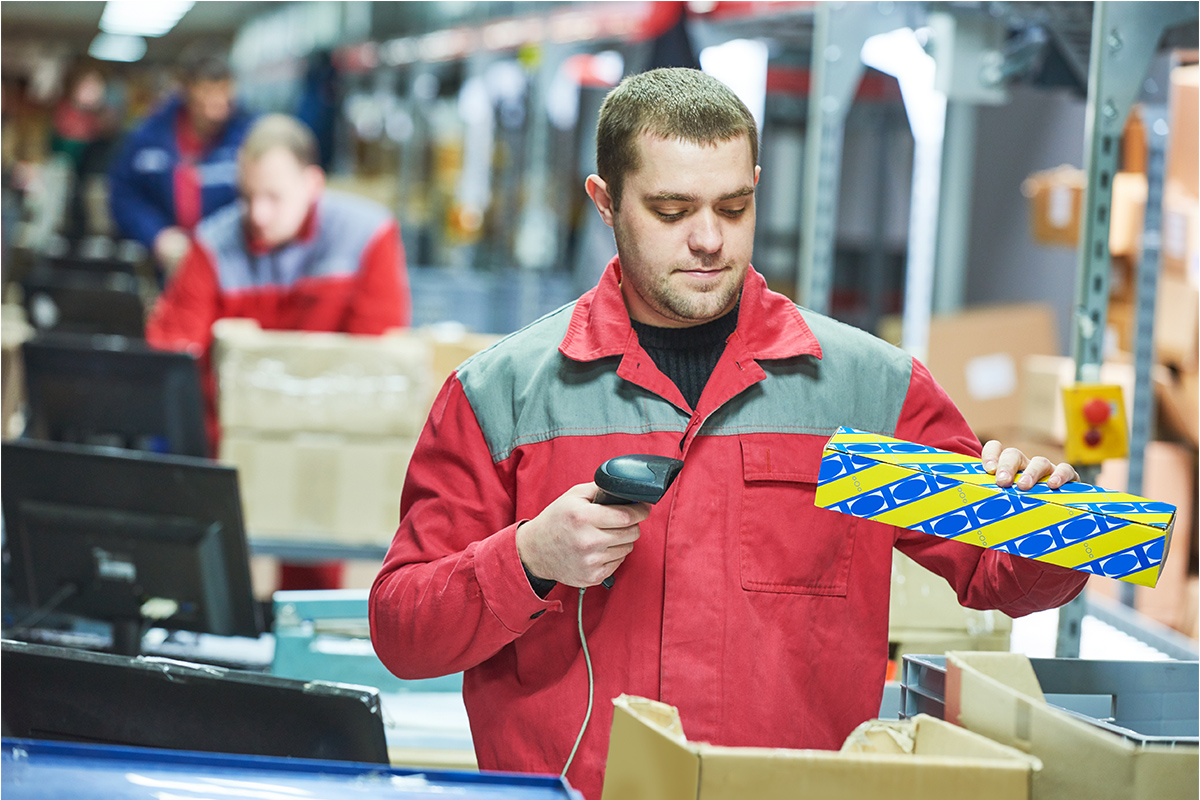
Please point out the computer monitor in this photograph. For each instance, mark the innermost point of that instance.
(74, 695)
(79, 302)
(116, 391)
(133, 539)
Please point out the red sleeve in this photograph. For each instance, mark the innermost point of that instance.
(183, 316)
(982, 578)
(381, 296)
(451, 592)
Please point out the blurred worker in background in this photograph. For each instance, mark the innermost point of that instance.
(763, 618)
(180, 164)
(291, 256)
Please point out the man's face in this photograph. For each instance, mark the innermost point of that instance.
(684, 229)
(278, 191)
(209, 104)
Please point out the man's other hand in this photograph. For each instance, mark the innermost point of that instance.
(170, 246)
(577, 542)
(1006, 462)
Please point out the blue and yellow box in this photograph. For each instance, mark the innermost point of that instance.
(950, 495)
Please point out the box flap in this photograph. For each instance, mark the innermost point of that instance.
(934, 462)
(648, 756)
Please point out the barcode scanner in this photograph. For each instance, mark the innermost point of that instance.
(634, 479)
(622, 480)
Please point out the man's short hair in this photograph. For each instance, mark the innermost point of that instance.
(671, 103)
(204, 60)
(280, 130)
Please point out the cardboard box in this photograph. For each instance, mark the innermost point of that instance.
(1055, 202)
(1179, 402)
(452, 344)
(947, 494)
(1128, 212)
(998, 695)
(287, 381)
(650, 758)
(1183, 142)
(319, 487)
(1118, 327)
(922, 601)
(1180, 252)
(976, 356)
(1169, 475)
(1176, 322)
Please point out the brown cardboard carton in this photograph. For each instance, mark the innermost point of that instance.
(1129, 191)
(923, 603)
(451, 346)
(319, 487)
(1176, 322)
(650, 758)
(1169, 475)
(976, 356)
(1182, 145)
(1179, 400)
(286, 381)
(998, 695)
(1055, 197)
(1180, 233)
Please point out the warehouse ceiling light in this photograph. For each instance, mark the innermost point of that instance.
(113, 47)
(138, 18)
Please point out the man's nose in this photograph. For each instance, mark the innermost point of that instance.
(705, 235)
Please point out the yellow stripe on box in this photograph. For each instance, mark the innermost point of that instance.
(861, 482)
(1099, 546)
(1018, 525)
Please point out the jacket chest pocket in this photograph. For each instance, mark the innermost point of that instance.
(788, 545)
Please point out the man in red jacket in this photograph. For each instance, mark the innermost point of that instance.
(761, 617)
(291, 256)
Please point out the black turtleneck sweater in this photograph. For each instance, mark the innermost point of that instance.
(687, 355)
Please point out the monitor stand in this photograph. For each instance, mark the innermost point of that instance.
(127, 637)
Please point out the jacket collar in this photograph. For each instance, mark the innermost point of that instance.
(308, 231)
(769, 324)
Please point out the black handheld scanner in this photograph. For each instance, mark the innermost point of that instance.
(634, 479)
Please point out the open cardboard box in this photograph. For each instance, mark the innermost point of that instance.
(649, 758)
(998, 695)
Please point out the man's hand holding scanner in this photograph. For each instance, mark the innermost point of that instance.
(577, 542)
(1006, 462)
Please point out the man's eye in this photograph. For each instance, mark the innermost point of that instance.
(669, 215)
(734, 212)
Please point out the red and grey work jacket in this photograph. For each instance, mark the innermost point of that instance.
(761, 617)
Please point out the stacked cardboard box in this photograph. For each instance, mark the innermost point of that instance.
(322, 425)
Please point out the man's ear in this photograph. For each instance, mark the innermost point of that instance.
(315, 177)
(597, 189)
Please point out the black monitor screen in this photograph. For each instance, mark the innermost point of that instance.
(134, 539)
(69, 301)
(73, 695)
(111, 390)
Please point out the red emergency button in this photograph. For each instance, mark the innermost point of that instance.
(1097, 411)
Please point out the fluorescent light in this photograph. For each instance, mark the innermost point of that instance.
(143, 17)
(740, 64)
(112, 47)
